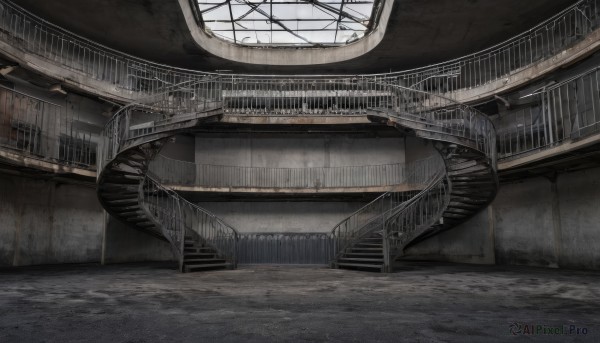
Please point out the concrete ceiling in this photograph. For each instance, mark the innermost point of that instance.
(419, 32)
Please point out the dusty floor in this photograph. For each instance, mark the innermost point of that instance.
(421, 302)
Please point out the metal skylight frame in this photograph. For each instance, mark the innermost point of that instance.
(288, 23)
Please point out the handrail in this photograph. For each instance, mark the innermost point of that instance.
(177, 216)
(136, 77)
(358, 224)
(420, 212)
(177, 172)
(567, 110)
(439, 114)
(431, 116)
(36, 35)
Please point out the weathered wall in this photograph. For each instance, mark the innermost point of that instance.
(537, 222)
(125, 244)
(282, 216)
(181, 148)
(285, 150)
(44, 222)
(579, 220)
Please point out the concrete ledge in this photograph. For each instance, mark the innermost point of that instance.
(541, 154)
(580, 50)
(295, 120)
(56, 168)
(308, 190)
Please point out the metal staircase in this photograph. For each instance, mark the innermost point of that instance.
(460, 182)
(165, 101)
(467, 183)
(199, 239)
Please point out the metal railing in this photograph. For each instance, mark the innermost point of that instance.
(402, 217)
(138, 79)
(178, 217)
(177, 172)
(157, 116)
(155, 113)
(436, 114)
(43, 130)
(285, 248)
(567, 110)
(413, 217)
(134, 78)
(373, 215)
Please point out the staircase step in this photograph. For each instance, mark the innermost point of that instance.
(198, 249)
(367, 249)
(123, 202)
(145, 224)
(131, 213)
(366, 245)
(199, 254)
(356, 259)
(462, 206)
(359, 265)
(140, 219)
(204, 261)
(129, 208)
(195, 267)
(123, 179)
(364, 254)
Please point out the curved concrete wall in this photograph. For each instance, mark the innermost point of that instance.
(537, 222)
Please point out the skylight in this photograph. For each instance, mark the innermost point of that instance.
(288, 23)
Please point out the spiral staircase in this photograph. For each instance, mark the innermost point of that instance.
(199, 240)
(165, 101)
(462, 182)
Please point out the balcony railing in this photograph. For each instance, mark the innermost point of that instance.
(569, 110)
(135, 77)
(177, 172)
(43, 130)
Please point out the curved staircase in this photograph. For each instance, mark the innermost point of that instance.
(461, 182)
(172, 100)
(199, 240)
(466, 183)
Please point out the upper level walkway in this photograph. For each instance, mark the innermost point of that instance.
(329, 99)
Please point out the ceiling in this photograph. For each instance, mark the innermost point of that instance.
(419, 32)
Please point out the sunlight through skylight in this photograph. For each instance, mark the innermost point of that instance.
(288, 23)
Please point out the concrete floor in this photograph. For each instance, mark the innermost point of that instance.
(422, 302)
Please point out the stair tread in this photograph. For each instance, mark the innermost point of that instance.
(359, 265)
(204, 266)
(364, 253)
(195, 260)
(361, 259)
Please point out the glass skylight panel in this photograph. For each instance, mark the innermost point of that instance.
(288, 23)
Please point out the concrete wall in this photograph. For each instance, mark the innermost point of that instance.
(181, 149)
(125, 244)
(282, 216)
(536, 222)
(44, 222)
(285, 150)
(418, 149)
